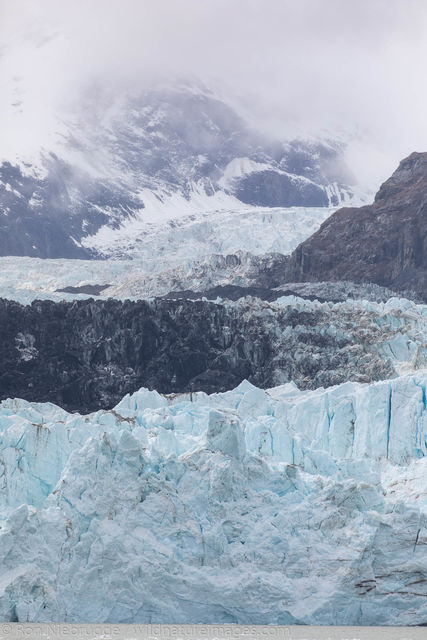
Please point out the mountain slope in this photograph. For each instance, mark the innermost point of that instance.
(384, 243)
(136, 159)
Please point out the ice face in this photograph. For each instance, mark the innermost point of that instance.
(249, 506)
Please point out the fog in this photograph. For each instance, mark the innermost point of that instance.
(341, 68)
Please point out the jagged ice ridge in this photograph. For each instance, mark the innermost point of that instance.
(249, 506)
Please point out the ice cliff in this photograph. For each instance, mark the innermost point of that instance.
(249, 506)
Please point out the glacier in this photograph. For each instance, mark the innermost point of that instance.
(203, 248)
(86, 355)
(275, 506)
(204, 228)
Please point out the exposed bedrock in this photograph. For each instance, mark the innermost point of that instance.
(385, 242)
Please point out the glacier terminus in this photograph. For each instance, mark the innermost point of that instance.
(273, 506)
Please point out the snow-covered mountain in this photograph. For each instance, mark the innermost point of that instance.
(120, 163)
(251, 506)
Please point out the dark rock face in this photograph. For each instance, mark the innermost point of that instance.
(272, 189)
(26, 227)
(321, 291)
(384, 243)
(48, 217)
(235, 292)
(86, 355)
(89, 289)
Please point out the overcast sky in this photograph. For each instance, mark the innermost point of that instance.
(345, 66)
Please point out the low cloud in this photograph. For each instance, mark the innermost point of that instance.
(334, 67)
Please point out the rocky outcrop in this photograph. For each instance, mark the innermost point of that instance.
(46, 216)
(384, 243)
(234, 292)
(321, 291)
(273, 189)
(89, 289)
(86, 355)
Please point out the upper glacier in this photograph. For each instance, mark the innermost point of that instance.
(163, 256)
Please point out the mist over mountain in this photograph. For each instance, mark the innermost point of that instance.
(98, 133)
(146, 156)
(306, 69)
